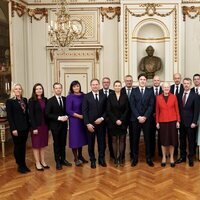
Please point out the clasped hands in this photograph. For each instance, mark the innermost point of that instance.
(63, 118)
(91, 128)
(141, 119)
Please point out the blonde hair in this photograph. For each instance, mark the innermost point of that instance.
(165, 84)
(12, 94)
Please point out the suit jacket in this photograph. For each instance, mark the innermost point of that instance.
(35, 113)
(181, 89)
(167, 112)
(110, 91)
(17, 118)
(53, 111)
(190, 111)
(160, 92)
(141, 106)
(90, 110)
(193, 90)
(117, 110)
(123, 90)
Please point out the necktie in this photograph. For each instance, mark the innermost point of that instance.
(96, 98)
(176, 90)
(156, 93)
(196, 91)
(60, 102)
(106, 92)
(142, 91)
(184, 98)
(128, 92)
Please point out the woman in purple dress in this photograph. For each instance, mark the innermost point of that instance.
(39, 128)
(77, 131)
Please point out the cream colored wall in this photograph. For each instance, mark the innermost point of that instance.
(110, 29)
(192, 47)
(38, 65)
(18, 41)
(31, 60)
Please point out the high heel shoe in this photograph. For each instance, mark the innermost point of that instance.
(39, 169)
(172, 164)
(163, 164)
(78, 163)
(83, 159)
(45, 166)
(116, 163)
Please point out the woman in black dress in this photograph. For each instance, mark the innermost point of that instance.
(117, 111)
(17, 115)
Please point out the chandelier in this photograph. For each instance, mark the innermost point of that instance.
(65, 30)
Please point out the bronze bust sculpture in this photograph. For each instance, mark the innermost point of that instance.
(150, 64)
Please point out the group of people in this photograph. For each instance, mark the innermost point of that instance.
(107, 114)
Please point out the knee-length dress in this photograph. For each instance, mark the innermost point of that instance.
(117, 109)
(40, 140)
(77, 129)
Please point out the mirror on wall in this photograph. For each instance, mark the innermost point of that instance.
(5, 69)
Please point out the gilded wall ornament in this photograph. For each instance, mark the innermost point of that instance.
(105, 12)
(192, 12)
(18, 8)
(150, 10)
(38, 14)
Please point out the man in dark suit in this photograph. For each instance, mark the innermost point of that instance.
(196, 89)
(56, 114)
(93, 107)
(196, 81)
(189, 112)
(106, 91)
(157, 90)
(127, 89)
(142, 104)
(177, 87)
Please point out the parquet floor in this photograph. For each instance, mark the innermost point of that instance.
(84, 183)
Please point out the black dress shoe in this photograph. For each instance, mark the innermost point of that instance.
(191, 163)
(163, 164)
(27, 169)
(21, 170)
(134, 162)
(45, 166)
(39, 169)
(66, 163)
(58, 166)
(180, 160)
(150, 162)
(172, 164)
(121, 162)
(103, 164)
(93, 165)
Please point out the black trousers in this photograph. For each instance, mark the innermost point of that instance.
(137, 127)
(59, 143)
(20, 147)
(187, 133)
(100, 134)
(130, 132)
(155, 143)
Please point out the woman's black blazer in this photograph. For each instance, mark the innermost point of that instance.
(117, 110)
(35, 113)
(17, 118)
